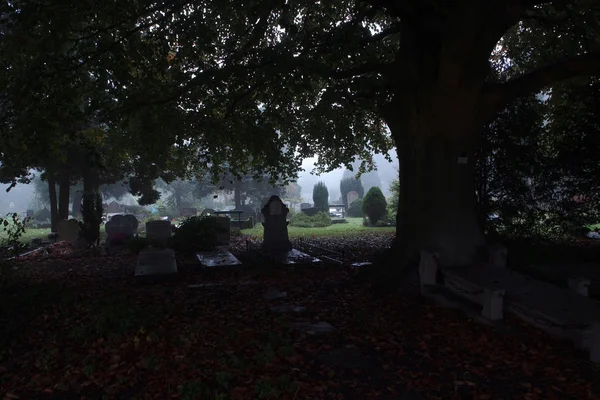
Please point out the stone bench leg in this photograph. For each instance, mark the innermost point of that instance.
(595, 343)
(428, 269)
(493, 301)
(580, 285)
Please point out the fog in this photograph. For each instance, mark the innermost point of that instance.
(18, 199)
(21, 197)
(386, 171)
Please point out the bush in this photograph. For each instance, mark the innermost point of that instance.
(319, 220)
(197, 234)
(311, 212)
(321, 197)
(374, 205)
(355, 209)
(13, 227)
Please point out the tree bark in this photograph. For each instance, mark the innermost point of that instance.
(53, 203)
(63, 195)
(436, 208)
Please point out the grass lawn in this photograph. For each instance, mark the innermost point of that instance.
(29, 235)
(353, 227)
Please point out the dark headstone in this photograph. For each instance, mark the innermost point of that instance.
(276, 237)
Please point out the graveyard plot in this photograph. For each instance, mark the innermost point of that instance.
(156, 264)
(80, 327)
(220, 257)
(558, 311)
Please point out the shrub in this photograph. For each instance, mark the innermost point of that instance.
(319, 220)
(374, 205)
(13, 227)
(321, 196)
(197, 234)
(312, 211)
(356, 209)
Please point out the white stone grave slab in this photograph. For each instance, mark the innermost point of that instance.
(218, 258)
(559, 312)
(156, 263)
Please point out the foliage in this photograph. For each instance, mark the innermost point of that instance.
(348, 185)
(319, 220)
(197, 234)
(536, 168)
(13, 228)
(356, 209)
(393, 200)
(374, 205)
(321, 196)
(179, 193)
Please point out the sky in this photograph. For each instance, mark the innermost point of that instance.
(19, 198)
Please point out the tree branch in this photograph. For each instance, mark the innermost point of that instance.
(496, 96)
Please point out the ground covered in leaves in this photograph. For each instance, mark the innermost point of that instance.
(81, 328)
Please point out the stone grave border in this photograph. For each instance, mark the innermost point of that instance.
(323, 253)
(492, 300)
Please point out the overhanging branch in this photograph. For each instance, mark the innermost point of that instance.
(496, 96)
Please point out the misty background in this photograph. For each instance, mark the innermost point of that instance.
(23, 197)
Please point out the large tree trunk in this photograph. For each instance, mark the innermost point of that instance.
(436, 208)
(53, 203)
(63, 195)
(435, 118)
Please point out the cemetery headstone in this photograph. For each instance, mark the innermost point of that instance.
(276, 237)
(159, 232)
(156, 264)
(352, 197)
(224, 231)
(30, 213)
(68, 231)
(119, 229)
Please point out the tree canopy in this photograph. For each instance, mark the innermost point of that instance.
(261, 85)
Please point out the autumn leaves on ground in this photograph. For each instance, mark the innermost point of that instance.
(81, 328)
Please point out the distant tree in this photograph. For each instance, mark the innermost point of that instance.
(393, 202)
(374, 205)
(293, 194)
(348, 185)
(321, 196)
(179, 193)
(355, 210)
